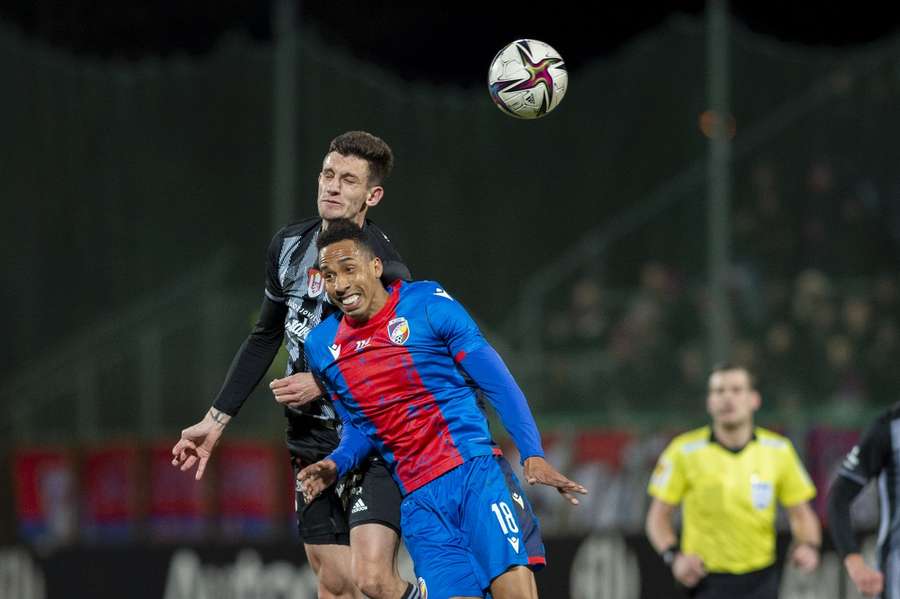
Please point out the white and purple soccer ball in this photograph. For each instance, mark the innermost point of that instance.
(527, 79)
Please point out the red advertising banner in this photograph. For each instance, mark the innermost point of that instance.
(45, 494)
(825, 448)
(250, 489)
(110, 482)
(178, 505)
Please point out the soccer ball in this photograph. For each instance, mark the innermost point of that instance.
(527, 79)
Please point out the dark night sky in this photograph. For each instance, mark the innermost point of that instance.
(426, 40)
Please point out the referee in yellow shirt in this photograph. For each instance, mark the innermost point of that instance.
(728, 477)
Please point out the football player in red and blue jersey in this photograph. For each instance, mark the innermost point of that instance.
(403, 366)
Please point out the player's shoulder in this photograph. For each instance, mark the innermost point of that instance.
(373, 230)
(771, 439)
(378, 239)
(689, 442)
(890, 415)
(323, 335)
(299, 228)
(426, 292)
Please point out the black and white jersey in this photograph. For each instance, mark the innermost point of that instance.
(293, 279)
(294, 303)
(876, 456)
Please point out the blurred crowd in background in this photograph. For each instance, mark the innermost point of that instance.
(815, 302)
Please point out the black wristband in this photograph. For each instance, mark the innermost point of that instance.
(669, 554)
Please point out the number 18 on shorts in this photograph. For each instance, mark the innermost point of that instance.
(462, 529)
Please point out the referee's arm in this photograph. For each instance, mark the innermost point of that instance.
(807, 534)
(658, 525)
(687, 569)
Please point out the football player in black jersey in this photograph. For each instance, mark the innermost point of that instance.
(351, 538)
(874, 457)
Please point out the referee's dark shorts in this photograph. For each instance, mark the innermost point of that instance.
(759, 584)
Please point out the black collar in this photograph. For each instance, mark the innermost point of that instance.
(712, 439)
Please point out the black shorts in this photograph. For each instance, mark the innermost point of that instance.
(759, 584)
(367, 496)
(373, 496)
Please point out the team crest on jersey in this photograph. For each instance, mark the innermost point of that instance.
(315, 283)
(398, 330)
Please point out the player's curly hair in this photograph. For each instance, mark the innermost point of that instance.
(343, 229)
(373, 150)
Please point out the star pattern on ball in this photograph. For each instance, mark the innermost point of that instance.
(538, 73)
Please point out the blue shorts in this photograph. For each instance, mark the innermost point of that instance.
(468, 527)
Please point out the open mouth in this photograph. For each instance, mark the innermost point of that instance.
(350, 301)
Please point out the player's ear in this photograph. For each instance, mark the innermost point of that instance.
(378, 266)
(374, 196)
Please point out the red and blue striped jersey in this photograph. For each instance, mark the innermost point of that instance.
(398, 381)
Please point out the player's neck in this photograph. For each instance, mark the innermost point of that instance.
(359, 219)
(379, 301)
(733, 437)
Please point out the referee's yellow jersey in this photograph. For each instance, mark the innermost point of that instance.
(728, 497)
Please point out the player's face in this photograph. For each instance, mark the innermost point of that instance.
(344, 188)
(352, 279)
(731, 400)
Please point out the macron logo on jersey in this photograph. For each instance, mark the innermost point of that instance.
(514, 541)
(335, 350)
(441, 293)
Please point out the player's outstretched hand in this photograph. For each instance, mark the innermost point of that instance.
(197, 442)
(296, 390)
(317, 477)
(539, 470)
(805, 557)
(868, 581)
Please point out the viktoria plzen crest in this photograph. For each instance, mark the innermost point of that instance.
(398, 330)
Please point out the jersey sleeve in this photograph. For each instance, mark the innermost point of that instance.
(355, 445)
(868, 458)
(274, 290)
(468, 347)
(668, 482)
(453, 325)
(486, 368)
(794, 485)
(840, 497)
(865, 461)
(253, 358)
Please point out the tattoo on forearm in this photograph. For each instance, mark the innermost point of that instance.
(218, 417)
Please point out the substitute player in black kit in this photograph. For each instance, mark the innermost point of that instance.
(875, 456)
(350, 183)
